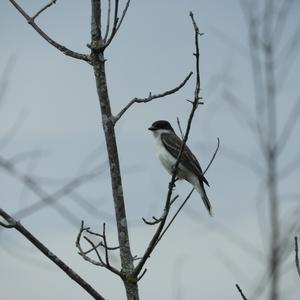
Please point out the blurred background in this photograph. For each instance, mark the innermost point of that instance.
(52, 147)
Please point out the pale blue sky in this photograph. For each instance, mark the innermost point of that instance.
(56, 99)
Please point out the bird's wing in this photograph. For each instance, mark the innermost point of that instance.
(173, 143)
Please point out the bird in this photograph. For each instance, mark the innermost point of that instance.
(168, 146)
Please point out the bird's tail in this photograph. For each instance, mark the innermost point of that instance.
(200, 189)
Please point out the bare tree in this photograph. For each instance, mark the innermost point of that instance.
(101, 38)
(271, 54)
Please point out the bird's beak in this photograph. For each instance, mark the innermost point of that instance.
(151, 128)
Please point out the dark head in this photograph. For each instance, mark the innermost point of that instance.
(161, 124)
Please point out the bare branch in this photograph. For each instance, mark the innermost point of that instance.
(60, 47)
(297, 256)
(175, 215)
(241, 292)
(180, 129)
(155, 221)
(151, 97)
(94, 248)
(7, 225)
(164, 214)
(82, 253)
(108, 20)
(56, 260)
(142, 275)
(117, 22)
(43, 9)
(213, 157)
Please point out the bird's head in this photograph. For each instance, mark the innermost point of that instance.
(161, 125)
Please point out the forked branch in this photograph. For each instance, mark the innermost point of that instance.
(43, 9)
(117, 22)
(101, 262)
(60, 47)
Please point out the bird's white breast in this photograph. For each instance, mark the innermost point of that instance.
(167, 160)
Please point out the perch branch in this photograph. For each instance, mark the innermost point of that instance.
(152, 244)
(189, 195)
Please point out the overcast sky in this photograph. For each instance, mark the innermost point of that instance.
(53, 100)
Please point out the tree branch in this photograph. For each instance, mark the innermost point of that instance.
(56, 260)
(108, 20)
(117, 22)
(98, 62)
(241, 292)
(58, 46)
(151, 97)
(94, 248)
(297, 256)
(43, 9)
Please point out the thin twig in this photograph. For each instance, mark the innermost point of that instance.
(60, 47)
(213, 157)
(94, 248)
(43, 9)
(175, 215)
(56, 260)
(142, 275)
(108, 20)
(117, 22)
(151, 97)
(297, 256)
(163, 216)
(180, 129)
(155, 221)
(7, 225)
(241, 292)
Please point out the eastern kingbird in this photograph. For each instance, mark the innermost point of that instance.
(168, 147)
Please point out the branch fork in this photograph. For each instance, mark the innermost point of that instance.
(102, 262)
